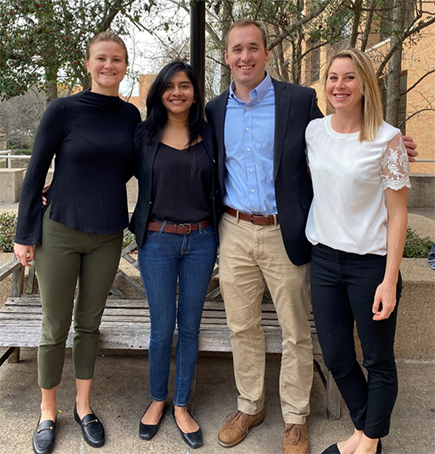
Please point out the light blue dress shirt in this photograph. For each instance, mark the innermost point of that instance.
(249, 141)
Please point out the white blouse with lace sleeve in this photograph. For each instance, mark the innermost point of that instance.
(349, 212)
(395, 165)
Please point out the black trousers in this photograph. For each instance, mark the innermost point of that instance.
(343, 286)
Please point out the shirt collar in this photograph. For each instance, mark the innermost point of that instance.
(257, 94)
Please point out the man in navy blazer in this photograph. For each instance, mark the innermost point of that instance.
(260, 126)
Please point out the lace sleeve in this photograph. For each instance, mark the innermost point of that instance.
(395, 165)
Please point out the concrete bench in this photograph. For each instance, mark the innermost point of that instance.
(126, 325)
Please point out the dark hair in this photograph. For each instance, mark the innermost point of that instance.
(157, 115)
(247, 23)
(106, 36)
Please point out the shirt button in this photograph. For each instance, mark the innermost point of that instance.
(248, 149)
(250, 170)
(252, 190)
(247, 108)
(247, 129)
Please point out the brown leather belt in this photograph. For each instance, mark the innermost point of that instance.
(259, 219)
(180, 229)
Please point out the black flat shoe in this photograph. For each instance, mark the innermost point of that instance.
(92, 429)
(333, 449)
(379, 448)
(147, 431)
(43, 437)
(192, 439)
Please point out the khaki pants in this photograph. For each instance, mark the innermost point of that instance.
(250, 257)
(65, 256)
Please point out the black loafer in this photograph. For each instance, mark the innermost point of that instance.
(147, 431)
(333, 449)
(92, 429)
(43, 437)
(192, 439)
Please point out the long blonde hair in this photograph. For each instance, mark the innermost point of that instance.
(368, 83)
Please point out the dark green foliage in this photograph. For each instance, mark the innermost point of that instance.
(44, 41)
(416, 247)
(128, 239)
(8, 224)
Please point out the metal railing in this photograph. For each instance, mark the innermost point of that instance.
(7, 154)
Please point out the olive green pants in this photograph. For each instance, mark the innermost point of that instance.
(65, 256)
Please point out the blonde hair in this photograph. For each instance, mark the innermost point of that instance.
(106, 36)
(368, 84)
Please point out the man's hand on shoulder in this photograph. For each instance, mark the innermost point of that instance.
(410, 146)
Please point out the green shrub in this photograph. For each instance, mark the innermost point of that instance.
(8, 224)
(128, 239)
(416, 247)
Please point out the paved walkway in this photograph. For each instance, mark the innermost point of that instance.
(120, 395)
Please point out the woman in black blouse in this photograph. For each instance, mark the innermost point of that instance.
(79, 236)
(175, 223)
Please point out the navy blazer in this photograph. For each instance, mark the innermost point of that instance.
(145, 155)
(295, 107)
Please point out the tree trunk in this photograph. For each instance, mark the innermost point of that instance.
(357, 9)
(392, 81)
(226, 23)
(50, 87)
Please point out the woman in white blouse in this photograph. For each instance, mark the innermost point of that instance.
(357, 225)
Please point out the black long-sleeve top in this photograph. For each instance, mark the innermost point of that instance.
(91, 137)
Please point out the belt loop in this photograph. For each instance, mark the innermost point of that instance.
(162, 227)
(199, 227)
(275, 223)
(237, 216)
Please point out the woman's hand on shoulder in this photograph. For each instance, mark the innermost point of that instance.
(410, 146)
(385, 301)
(24, 253)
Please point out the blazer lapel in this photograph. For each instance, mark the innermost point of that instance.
(220, 110)
(282, 109)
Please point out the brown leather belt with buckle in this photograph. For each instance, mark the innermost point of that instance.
(259, 219)
(180, 229)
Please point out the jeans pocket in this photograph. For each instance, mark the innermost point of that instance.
(209, 230)
(151, 233)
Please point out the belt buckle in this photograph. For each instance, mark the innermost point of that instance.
(187, 225)
(252, 218)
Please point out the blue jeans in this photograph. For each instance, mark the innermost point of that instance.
(165, 258)
(343, 287)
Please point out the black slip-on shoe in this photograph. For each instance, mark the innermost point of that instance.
(192, 439)
(43, 437)
(92, 429)
(147, 431)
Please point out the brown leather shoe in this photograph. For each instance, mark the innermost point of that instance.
(296, 439)
(237, 426)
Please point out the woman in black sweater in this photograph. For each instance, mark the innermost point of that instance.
(79, 234)
(175, 223)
